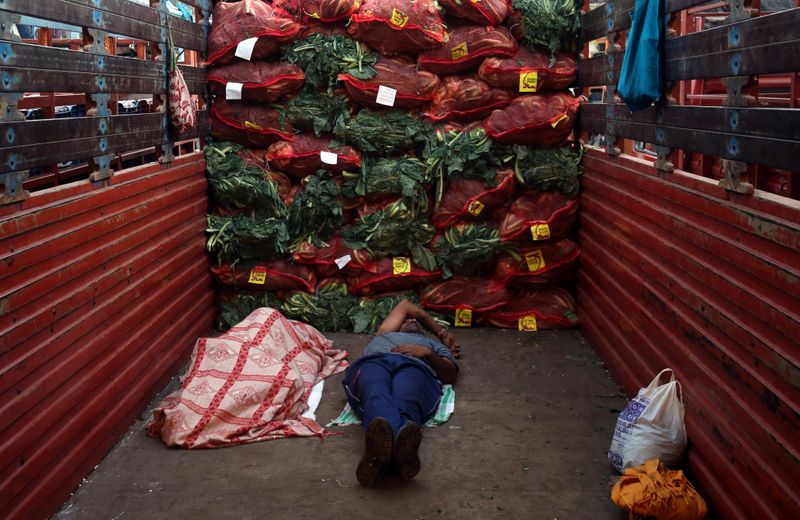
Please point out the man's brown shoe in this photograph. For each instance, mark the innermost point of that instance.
(378, 448)
(406, 450)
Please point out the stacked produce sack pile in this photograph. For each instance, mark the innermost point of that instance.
(370, 150)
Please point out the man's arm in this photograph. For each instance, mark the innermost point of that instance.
(445, 370)
(404, 310)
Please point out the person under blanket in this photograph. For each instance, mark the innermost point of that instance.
(395, 387)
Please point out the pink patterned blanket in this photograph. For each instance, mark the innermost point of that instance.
(248, 385)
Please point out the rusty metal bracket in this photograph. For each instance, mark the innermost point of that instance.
(740, 10)
(100, 110)
(161, 53)
(736, 86)
(11, 183)
(11, 187)
(7, 22)
(613, 140)
(664, 163)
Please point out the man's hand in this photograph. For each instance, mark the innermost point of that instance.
(450, 342)
(409, 349)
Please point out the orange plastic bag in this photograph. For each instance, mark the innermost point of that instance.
(653, 490)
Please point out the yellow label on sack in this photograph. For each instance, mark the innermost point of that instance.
(252, 126)
(527, 323)
(528, 81)
(400, 265)
(463, 317)
(475, 208)
(558, 121)
(258, 275)
(459, 51)
(540, 231)
(535, 260)
(474, 1)
(398, 18)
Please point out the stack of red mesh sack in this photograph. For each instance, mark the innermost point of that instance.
(480, 245)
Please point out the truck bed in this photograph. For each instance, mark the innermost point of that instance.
(534, 417)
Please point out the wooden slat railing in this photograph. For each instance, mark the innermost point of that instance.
(92, 70)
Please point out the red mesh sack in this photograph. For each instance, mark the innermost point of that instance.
(307, 153)
(239, 21)
(529, 71)
(464, 293)
(414, 88)
(515, 23)
(258, 158)
(537, 310)
(248, 124)
(288, 8)
(466, 99)
(539, 216)
(470, 199)
(261, 81)
(539, 266)
(486, 12)
(323, 259)
(398, 27)
(321, 28)
(392, 275)
(276, 275)
(545, 119)
(329, 10)
(466, 47)
(372, 205)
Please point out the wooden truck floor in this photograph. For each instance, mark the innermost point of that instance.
(534, 417)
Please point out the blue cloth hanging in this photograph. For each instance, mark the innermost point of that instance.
(640, 81)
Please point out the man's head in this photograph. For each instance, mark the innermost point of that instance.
(411, 325)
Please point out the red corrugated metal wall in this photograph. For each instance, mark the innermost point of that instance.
(102, 294)
(679, 273)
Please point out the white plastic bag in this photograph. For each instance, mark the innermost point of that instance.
(651, 426)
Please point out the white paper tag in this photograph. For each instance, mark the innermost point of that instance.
(328, 157)
(233, 90)
(386, 96)
(245, 48)
(343, 261)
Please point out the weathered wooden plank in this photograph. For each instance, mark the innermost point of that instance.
(602, 20)
(115, 16)
(616, 16)
(762, 45)
(771, 123)
(23, 79)
(39, 80)
(14, 54)
(602, 69)
(747, 135)
(20, 80)
(45, 142)
(46, 130)
(195, 78)
(48, 60)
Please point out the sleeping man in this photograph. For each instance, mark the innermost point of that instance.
(395, 387)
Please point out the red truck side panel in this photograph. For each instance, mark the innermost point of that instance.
(678, 273)
(102, 294)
